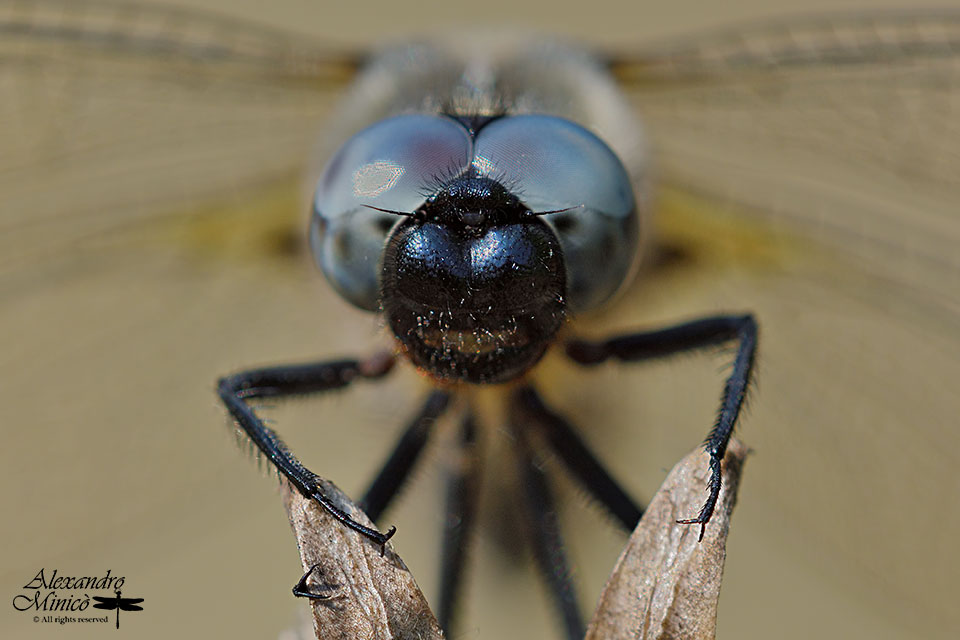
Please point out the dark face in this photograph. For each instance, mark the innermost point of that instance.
(473, 285)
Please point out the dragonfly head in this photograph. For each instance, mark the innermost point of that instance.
(475, 237)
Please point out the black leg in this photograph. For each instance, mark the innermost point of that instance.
(461, 503)
(396, 469)
(578, 458)
(274, 382)
(691, 335)
(302, 589)
(547, 542)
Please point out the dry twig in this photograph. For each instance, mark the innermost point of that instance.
(369, 596)
(665, 585)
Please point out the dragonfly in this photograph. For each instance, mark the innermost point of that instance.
(803, 170)
(118, 604)
(475, 282)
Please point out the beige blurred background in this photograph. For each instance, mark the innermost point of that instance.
(117, 454)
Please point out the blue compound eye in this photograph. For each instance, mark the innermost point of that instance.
(386, 166)
(551, 164)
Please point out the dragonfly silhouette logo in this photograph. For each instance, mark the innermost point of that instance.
(118, 603)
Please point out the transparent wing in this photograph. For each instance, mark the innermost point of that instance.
(113, 114)
(809, 171)
(843, 127)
